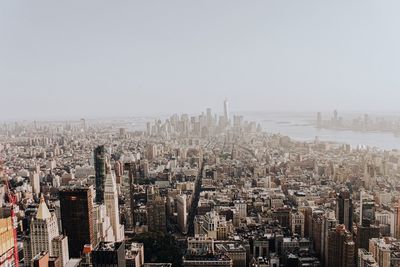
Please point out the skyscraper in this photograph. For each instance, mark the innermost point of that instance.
(341, 248)
(100, 162)
(7, 256)
(344, 209)
(367, 209)
(111, 202)
(60, 249)
(226, 110)
(182, 213)
(43, 229)
(156, 211)
(397, 220)
(102, 224)
(76, 217)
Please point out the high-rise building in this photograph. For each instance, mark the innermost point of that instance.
(341, 248)
(7, 242)
(156, 217)
(111, 202)
(35, 182)
(103, 231)
(76, 216)
(134, 255)
(151, 151)
(181, 208)
(226, 110)
(119, 171)
(397, 220)
(367, 209)
(60, 249)
(27, 250)
(364, 233)
(381, 251)
(297, 223)
(109, 254)
(344, 209)
(100, 166)
(366, 259)
(43, 229)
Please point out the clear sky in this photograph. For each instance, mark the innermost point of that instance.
(107, 58)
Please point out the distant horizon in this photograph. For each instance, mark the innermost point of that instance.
(166, 114)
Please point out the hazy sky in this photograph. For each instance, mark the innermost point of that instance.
(107, 58)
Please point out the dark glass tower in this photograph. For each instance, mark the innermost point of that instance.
(100, 168)
(345, 209)
(76, 216)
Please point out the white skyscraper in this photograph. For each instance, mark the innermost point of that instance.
(44, 228)
(103, 230)
(226, 110)
(35, 182)
(111, 202)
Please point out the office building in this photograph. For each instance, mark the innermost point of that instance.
(226, 110)
(7, 252)
(156, 216)
(111, 203)
(344, 209)
(181, 208)
(297, 223)
(109, 254)
(134, 254)
(76, 216)
(43, 229)
(60, 249)
(103, 231)
(341, 248)
(100, 166)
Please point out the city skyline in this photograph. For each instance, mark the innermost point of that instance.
(199, 133)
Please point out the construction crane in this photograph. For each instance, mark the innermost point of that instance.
(12, 200)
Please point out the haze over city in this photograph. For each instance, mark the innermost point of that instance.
(77, 59)
(208, 133)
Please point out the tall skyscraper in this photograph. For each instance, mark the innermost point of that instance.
(103, 230)
(341, 248)
(76, 217)
(367, 209)
(111, 202)
(344, 209)
(43, 229)
(35, 182)
(182, 213)
(397, 220)
(100, 165)
(119, 171)
(226, 110)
